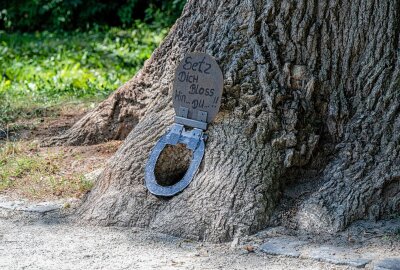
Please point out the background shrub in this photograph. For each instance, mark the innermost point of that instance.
(33, 15)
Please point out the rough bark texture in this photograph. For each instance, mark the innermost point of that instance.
(310, 110)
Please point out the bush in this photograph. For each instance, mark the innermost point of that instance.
(32, 15)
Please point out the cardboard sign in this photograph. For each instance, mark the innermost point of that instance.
(198, 86)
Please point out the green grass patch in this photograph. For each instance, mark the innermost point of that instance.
(37, 175)
(38, 70)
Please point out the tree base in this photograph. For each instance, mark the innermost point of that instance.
(298, 78)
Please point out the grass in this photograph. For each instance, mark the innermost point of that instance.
(43, 69)
(36, 174)
(42, 74)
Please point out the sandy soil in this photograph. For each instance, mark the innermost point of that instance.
(43, 245)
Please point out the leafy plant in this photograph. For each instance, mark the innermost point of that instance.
(32, 15)
(164, 13)
(45, 68)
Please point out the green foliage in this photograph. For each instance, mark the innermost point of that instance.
(31, 15)
(125, 13)
(164, 13)
(48, 67)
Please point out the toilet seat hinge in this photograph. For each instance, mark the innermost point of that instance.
(178, 134)
(200, 122)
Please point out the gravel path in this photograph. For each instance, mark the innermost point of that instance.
(40, 235)
(48, 245)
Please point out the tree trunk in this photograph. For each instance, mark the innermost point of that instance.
(308, 133)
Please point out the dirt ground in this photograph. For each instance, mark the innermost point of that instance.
(64, 165)
(47, 237)
(63, 246)
(33, 239)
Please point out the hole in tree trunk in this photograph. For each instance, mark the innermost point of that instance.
(172, 164)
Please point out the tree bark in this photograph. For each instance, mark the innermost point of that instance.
(307, 136)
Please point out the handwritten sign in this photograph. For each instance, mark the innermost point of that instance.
(198, 86)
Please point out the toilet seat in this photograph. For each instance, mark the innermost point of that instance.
(197, 94)
(193, 140)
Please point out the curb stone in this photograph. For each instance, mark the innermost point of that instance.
(292, 247)
(336, 255)
(24, 208)
(283, 246)
(388, 264)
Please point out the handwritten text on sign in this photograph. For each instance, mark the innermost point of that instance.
(198, 85)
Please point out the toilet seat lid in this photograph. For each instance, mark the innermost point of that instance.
(198, 86)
